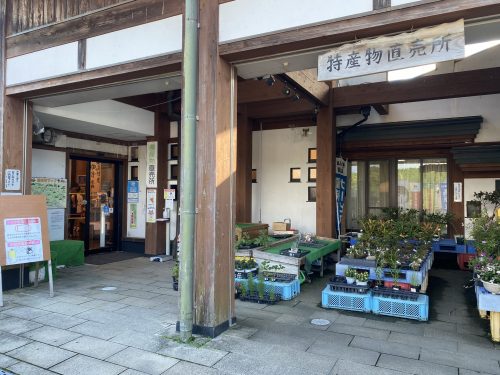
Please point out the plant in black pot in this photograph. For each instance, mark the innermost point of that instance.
(175, 276)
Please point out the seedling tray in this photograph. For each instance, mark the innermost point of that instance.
(339, 284)
(314, 244)
(286, 291)
(359, 262)
(298, 254)
(278, 277)
(255, 298)
(396, 294)
(243, 274)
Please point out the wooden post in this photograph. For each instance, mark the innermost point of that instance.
(215, 176)
(326, 204)
(495, 325)
(244, 169)
(154, 243)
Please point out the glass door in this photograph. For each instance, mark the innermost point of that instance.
(92, 202)
(101, 205)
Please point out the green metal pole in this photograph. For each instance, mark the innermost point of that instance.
(188, 167)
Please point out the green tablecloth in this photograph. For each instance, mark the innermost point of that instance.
(314, 252)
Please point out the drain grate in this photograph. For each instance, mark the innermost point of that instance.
(320, 322)
(106, 289)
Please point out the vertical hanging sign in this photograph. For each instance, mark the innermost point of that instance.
(151, 206)
(340, 189)
(152, 165)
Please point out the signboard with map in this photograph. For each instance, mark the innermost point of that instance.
(54, 189)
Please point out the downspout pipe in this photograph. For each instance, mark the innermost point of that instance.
(365, 112)
(188, 167)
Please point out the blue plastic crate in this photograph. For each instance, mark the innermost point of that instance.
(487, 301)
(418, 310)
(287, 291)
(346, 301)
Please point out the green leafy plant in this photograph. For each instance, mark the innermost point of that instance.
(261, 287)
(243, 289)
(251, 284)
(175, 270)
(272, 294)
(362, 276)
(379, 273)
(266, 266)
(262, 239)
(245, 264)
(351, 272)
(414, 280)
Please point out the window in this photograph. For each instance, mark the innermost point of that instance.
(420, 184)
(311, 174)
(311, 193)
(294, 174)
(312, 155)
(254, 176)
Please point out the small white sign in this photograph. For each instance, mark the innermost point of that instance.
(12, 179)
(457, 192)
(151, 206)
(169, 194)
(23, 240)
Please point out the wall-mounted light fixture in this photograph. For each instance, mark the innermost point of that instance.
(295, 96)
(286, 90)
(270, 80)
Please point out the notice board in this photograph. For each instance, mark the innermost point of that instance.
(24, 232)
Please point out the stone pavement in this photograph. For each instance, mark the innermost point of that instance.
(86, 330)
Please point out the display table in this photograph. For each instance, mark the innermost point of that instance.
(292, 265)
(489, 303)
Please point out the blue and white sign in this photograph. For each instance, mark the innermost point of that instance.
(133, 191)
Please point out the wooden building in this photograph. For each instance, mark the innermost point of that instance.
(103, 78)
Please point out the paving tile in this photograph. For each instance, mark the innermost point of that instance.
(480, 352)
(414, 329)
(201, 356)
(10, 342)
(141, 302)
(66, 308)
(93, 347)
(350, 320)
(51, 335)
(327, 348)
(386, 347)
(459, 337)
(27, 369)
(149, 342)
(291, 319)
(72, 299)
(103, 305)
(82, 365)
(359, 331)
(297, 343)
(99, 330)
(17, 326)
(40, 354)
(141, 360)
(59, 320)
(460, 360)
(413, 366)
(343, 367)
(106, 296)
(184, 368)
(6, 361)
(25, 312)
(424, 342)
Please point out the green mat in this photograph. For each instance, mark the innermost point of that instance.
(314, 253)
(65, 252)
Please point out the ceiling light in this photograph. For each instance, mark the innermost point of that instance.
(408, 73)
(286, 90)
(270, 80)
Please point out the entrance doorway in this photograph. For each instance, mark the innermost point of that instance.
(94, 209)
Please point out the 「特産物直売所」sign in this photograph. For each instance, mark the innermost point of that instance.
(367, 56)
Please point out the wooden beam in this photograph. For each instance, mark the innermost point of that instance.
(279, 108)
(258, 90)
(244, 170)
(381, 109)
(297, 121)
(111, 75)
(308, 81)
(215, 177)
(356, 27)
(326, 205)
(442, 86)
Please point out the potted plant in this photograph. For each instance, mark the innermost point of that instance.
(414, 284)
(175, 276)
(350, 275)
(362, 278)
(379, 273)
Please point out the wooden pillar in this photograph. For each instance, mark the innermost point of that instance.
(456, 208)
(244, 169)
(215, 176)
(156, 232)
(325, 178)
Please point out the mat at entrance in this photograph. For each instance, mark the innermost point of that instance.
(111, 257)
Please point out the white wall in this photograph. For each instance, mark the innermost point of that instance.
(242, 19)
(475, 185)
(42, 64)
(486, 106)
(273, 195)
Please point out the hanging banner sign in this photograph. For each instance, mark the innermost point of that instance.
(151, 206)
(367, 56)
(152, 165)
(341, 188)
(133, 215)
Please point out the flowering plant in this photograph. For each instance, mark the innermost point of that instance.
(362, 276)
(351, 272)
(487, 269)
